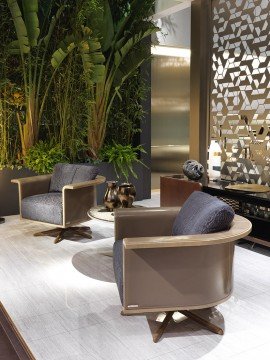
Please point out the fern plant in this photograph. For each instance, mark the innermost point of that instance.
(123, 158)
(42, 157)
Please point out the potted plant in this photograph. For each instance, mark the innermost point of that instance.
(123, 157)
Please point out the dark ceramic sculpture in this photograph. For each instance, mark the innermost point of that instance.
(111, 199)
(193, 170)
(126, 193)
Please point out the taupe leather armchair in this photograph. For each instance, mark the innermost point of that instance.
(62, 208)
(157, 272)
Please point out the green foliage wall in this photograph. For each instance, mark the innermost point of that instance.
(69, 90)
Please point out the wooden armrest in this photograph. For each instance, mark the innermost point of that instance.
(33, 185)
(97, 181)
(240, 228)
(31, 179)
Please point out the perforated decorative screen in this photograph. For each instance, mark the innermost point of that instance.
(240, 96)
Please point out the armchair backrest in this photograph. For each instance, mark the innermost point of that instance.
(202, 214)
(65, 174)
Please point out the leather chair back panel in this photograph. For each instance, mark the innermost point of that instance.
(185, 278)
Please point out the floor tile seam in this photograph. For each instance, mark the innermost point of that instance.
(120, 340)
(173, 351)
(87, 303)
(259, 293)
(104, 322)
(25, 317)
(246, 351)
(183, 347)
(250, 296)
(253, 296)
(18, 318)
(15, 320)
(62, 333)
(71, 308)
(77, 328)
(97, 355)
(261, 285)
(176, 346)
(22, 254)
(27, 339)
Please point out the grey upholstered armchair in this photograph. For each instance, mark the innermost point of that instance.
(192, 269)
(61, 198)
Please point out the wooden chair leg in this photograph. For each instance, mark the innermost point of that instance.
(159, 332)
(51, 232)
(60, 236)
(83, 233)
(59, 233)
(207, 324)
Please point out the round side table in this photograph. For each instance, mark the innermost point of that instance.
(101, 213)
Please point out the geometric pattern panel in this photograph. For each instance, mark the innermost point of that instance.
(240, 91)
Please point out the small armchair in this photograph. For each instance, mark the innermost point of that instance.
(61, 198)
(158, 272)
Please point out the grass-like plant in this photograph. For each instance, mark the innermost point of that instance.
(123, 158)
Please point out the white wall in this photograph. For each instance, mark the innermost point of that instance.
(175, 29)
(162, 5)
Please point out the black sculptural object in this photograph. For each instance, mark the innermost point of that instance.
(193, 170)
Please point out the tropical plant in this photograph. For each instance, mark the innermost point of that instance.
(121, 45)
(123, 158)
(66, 119)
(127, 113)
(42, 157)
(9, 141)
(31, 47)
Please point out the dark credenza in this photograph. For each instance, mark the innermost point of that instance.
(254, 206)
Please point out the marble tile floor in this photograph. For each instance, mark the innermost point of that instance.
(65, 303)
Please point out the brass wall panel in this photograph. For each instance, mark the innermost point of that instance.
(240, 94)
(170, 113)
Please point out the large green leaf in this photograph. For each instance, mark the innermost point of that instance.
(30, 13)
(90, 50)
(69, 43)
(137, 57)
(53, 22)
(92, 59)
(62, 52)
(22, 44)
(107, 28)
(120, 55)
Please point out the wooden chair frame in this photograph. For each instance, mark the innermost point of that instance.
(76, 198)
(164, 273)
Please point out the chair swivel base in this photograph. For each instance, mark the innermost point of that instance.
(60, 233)
(169, 315)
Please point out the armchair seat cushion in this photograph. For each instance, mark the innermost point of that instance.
(118, 266)
(44, 207)
(65, 174)
(202, 214)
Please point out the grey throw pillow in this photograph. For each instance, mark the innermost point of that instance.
(202, 214)
(65, 174)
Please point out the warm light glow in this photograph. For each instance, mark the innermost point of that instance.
(170, 51)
